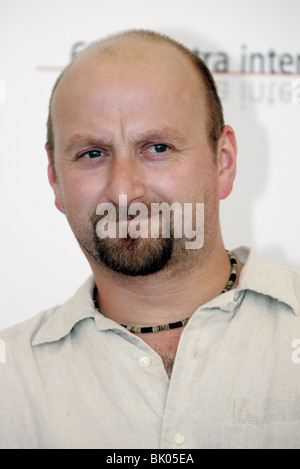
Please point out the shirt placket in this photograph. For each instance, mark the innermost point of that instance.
(177, 430)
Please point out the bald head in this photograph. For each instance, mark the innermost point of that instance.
(126, 50)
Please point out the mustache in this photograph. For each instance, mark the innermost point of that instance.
(113, 211)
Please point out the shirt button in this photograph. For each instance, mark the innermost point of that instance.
(178, 438)
(144, 362)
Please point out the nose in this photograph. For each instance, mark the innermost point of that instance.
(125, 178)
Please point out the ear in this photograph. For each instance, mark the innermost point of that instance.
(53, 181)
(227, 151)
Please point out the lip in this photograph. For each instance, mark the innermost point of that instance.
(132, 221)
(137, 219)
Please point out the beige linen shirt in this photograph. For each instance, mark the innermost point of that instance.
(73, 378)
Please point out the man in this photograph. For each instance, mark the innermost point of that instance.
(166, 345)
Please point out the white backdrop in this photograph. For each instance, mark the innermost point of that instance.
(41, 264)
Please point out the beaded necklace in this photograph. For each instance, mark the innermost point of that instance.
(174, 325)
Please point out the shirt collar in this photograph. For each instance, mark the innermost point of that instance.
(64, 317)
(261, 277)
(266, 279)
(258, 276)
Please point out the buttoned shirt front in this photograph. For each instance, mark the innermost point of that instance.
(73, 378)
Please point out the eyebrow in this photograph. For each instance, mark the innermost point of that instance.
(159, 134)
(78, 139)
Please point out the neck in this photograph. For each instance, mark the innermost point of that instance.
(162, 298)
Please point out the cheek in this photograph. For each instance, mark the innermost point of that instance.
(168, 187)
(80, 194)
(188, 183)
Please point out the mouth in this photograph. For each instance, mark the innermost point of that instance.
(139, 226)
(129, 218)
(123, 221)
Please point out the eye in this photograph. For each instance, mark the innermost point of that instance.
(158, 148)
(92, 154)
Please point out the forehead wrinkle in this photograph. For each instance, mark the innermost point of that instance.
(159, 134)
(80, 139)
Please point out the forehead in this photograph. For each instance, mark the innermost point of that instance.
(127, 75)
(118, 58)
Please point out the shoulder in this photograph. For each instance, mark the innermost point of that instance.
(56, 319)
(27, 329)
(295, 280)
(16, 341)
(268, 280)
(295, 276)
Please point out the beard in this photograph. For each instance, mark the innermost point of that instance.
(129, 256)
(143, 255)
(132, 257)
